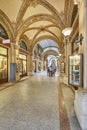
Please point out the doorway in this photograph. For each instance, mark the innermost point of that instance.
(23, 65)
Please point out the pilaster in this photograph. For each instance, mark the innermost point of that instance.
(14, 59)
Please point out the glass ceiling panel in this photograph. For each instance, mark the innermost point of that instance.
(47, 44)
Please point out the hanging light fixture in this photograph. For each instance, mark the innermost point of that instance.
(67, 31)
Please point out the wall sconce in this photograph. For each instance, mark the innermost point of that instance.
(67, 31)
(76, 2)
(79, 40)
(60, 54)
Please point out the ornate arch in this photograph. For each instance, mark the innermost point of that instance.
(68, 9)
(33, 19)
(47, 37)
(50, 53)
(47, 50)
(26, 4)
(26, 40)
(39, 28)
(40, 32)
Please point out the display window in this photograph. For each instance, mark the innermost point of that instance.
(23, 65)
(75, 70)
(3, 65)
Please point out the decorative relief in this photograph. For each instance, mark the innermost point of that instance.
(33, 3)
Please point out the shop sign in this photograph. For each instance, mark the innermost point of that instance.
(5, 41)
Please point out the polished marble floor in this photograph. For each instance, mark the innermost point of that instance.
(33, 104)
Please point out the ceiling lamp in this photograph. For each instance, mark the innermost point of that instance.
(67, 31)
(76, 2)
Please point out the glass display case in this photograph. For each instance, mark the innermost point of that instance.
(75, 70)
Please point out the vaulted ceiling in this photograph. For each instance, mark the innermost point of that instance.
(36, 20)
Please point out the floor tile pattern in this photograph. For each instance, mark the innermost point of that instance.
(64, 122)
(38, 103)
(30, 105)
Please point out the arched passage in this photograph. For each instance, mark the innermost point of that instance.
(42, 49)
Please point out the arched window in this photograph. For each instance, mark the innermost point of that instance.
(23, 45)
(3, 33)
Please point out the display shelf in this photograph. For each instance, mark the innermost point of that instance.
(75, 70)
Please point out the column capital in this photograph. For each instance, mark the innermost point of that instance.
(31, 53)
(17, 46)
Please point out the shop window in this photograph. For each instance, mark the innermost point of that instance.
(23, 45)
(3, 33)
(3, 64)
(3, 51)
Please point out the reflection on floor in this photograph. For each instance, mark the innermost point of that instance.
(33, 104)
(44, 73)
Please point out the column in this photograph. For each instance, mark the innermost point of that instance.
(37, 65)
(67, 47)
(30, 63)
(12, 53)
(42, 66)
(14, 62)
(17, 62)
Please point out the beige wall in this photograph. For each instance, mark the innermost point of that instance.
(83, 30)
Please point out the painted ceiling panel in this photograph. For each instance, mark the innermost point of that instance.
(44, 33)
(55, 30)
(10, 8)
(30, 34)
(40, 23)
(35, 10)
(58, 4)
